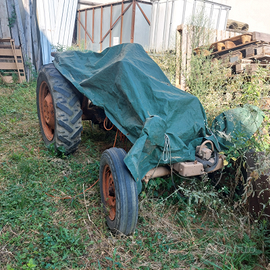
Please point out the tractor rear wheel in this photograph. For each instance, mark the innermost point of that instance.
(59, 110)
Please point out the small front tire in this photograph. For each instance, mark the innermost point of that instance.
(118, 192)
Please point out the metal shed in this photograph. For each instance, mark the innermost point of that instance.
(151, 24)
(111, 24)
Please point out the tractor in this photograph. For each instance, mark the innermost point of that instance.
(123, 88)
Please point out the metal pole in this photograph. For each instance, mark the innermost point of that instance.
(184, 11)
(133, 21)
(93, 21)
(227, 14)
(121, 30)
(164, 27)
(211, 15)
(79, 34)
(110, 44)
(218, 20)
(85, 24)
(156, 27)
(193, 11)
(101, 15)
(170, 28)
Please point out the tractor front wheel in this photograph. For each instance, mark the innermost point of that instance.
(118, 192)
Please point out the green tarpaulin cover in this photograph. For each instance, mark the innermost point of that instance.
(235, 126)
(164, 123)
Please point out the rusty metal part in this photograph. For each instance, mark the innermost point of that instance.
(189, 168)
(156, 172)
(109, 191)
(133, 21)
(203, 152)
(46, 108)
(49, 111)
(108, 125)
(92, 112)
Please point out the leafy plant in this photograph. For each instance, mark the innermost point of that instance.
(13, 18)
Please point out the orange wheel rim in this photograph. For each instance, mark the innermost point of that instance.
(109, 191)
(46, 111)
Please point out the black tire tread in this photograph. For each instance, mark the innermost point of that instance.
(126, 192)
(68, 122)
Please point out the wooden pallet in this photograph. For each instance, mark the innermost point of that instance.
(250, 68)
(258, 51)
(261, 37)
(230, 43)
(231, 58)
(11, 61)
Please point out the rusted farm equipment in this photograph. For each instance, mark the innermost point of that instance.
(62, 107)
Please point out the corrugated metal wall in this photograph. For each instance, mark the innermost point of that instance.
(168, 14)
(56, 20)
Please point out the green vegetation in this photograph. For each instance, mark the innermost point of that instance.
(48, 222)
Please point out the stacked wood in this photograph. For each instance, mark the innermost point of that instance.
(235, 25)
(244, 53)
(184, 48)
(11, 61)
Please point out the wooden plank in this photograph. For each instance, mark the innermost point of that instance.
(21, 31)
(263, 50)
(8, 65)
(262, 57)
(9, 52)
(239, 68)
(231, 58)
(9, 59)
(4, 20)
(249, 68)
(261, 37)
(229, 44)
(237, 47)
(14, 28)
(16, 61)
(223, 34)
(250, 51)
(238, 40)
(12, 61)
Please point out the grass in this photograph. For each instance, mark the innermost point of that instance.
(40, 231)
